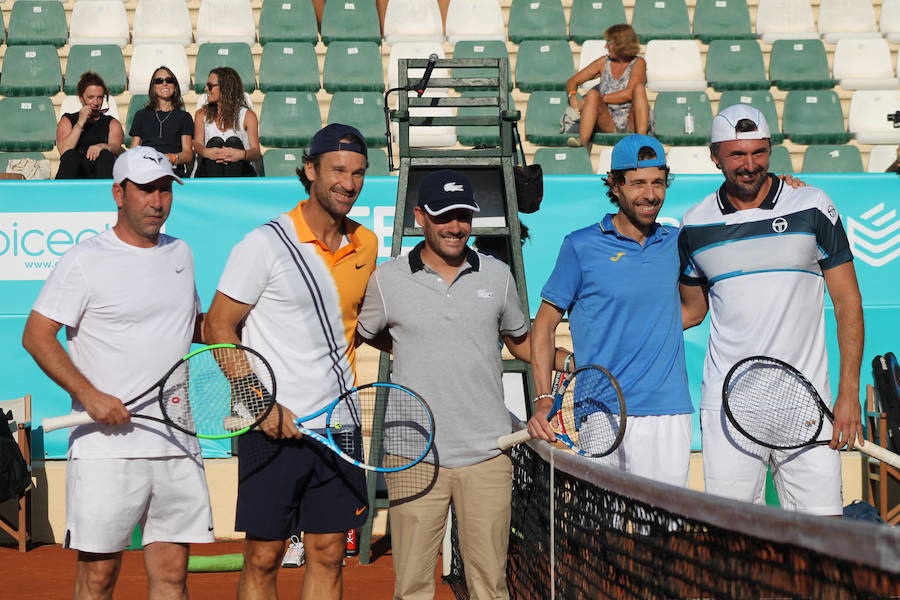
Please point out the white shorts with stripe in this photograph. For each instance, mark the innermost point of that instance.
(655, 446)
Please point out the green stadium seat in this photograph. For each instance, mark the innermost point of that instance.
(564, 161)
(29, 123)
(814, 117)
(351, 21)
(363, 110)
(353, 66)
(5, 157)
(236, 55)
(479, 49)
(736, 65)
(289, 119)
(287, 66)
(544, 65)
(105, 60)
(760, 99)
(832, 159)
(536, 20)
(475, 135)
(722, 20)
(780, 160)
(287, 21)
(137, 102)
(282, 162)
(542, 118)
(661, 20)
(588, 19)
(38, 22)
(378, 162)
(30, 71)
(799, 65)
(669, 112)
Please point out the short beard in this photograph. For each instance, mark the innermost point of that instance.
(745, 192)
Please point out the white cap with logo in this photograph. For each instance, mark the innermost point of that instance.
(725, 123)
(142, 164)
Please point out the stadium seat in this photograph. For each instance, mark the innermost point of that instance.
(289, 119)
(430, 137)
(105, 60)
(674, 66)
(137, 102)
(864, 64)
(2, 32)
(543, 65)
(37, 22)
(235, 55)
(162, 22)
(736, 65)
(30, 71)
(412, 50)
(480, 49)
(474, 135)
(605, 161)
(29, 123)
(378, 163)
(282, 162)
(799, 65)
(287, 66)
(99, 22)
(287, 21)
(661, 20)
(840, 19)
(890, 20)
(691, 160)
(355, 21)
(669, 111)
(785, 20)
(832, 159)
(881, 157)
(814, 117)
(363, 110)
(867, 118)
(146, 58)
(563, 161)
(413, 21)
(760, 99)
(722, 20)
(780, 160)
(475, 20)
(591, 50)
(72, 104)
(5, 157)
(542, 118)
(225, 21)
(353, 66)
(536, 20)
(588, 19)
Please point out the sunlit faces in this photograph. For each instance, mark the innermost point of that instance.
(143, 210)
(213, 90)
(337, 180)
(164, 83)
(745, 164)
(93, 97)
(446, 234)
(641, 195)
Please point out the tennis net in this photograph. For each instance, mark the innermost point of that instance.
(614, 535)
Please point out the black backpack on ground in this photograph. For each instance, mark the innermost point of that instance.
(886, 373)
(14, 479)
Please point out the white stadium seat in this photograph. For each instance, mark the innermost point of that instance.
(72, 104)
(674, 66)
(690, 160)
(890, 20)
(846, 18)
(413, 21)
(868, 116)
(162, 22)
(226, 21)
(864, 64)
(880, 158)
(430, 137)
(591, 50)
(413, 50)
(479, 20)
(99, 22)
(146, 58)
(605, 161)
(785, 20)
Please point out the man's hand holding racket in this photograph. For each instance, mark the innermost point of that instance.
(847, 422)
(280, 424)
(541, 425)
(104, 408)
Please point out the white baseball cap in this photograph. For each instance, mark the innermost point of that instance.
(723, 126)
(142, 164)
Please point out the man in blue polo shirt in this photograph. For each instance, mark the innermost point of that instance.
(618, 279)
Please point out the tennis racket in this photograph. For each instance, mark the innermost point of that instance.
(373, 421)
(589, 410)
(773, 404)
(214, 392)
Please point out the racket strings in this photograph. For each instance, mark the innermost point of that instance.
(590, 412)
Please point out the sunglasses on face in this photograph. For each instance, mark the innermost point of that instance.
(162, 80)
(210, 85)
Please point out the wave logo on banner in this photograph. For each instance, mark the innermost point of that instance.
(31, 243)
(875, 240)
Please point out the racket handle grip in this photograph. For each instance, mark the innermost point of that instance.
(72, 419)
(879, 453)
(513, 439)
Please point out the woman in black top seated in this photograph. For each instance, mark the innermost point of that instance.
(163, 123)
(89, 140)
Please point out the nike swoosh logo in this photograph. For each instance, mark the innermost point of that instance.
(210, 528)
(179, 270)
(360, 511)
(358, 267)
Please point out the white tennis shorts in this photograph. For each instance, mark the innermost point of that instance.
(807, 479)
(107, 497)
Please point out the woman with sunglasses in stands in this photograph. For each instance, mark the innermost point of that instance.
(163, 123)
(226, 130)
(89, 140)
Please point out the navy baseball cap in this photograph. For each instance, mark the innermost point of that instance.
(328, 139)
(446, 190)
(625, 153)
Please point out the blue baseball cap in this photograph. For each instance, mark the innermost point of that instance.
(328, 139)
(625, 153)
(445, 190)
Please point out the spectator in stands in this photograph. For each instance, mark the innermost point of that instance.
(618, 104)
(163, 123)
(226, 130)
(89, 140)
(895, 166)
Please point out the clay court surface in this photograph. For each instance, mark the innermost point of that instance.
(47, 572)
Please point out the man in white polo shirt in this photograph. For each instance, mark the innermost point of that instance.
(130, 308)
(758, 255)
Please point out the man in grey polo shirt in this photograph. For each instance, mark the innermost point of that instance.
(446, 307)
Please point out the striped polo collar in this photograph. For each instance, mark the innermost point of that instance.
(768, 202)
